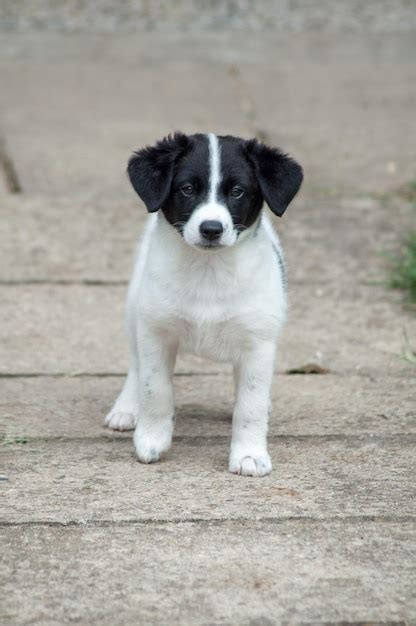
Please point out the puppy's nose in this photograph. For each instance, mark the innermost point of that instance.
(211, 229)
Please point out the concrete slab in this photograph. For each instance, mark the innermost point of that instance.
(50, 317)
(302, 405)
(332, 113)
(203, 47)
(321, 477)
(247, 573)
(342, 241)
(94, 238)
(326, 99)
(77, 124)
(63, 239)
(52, 328)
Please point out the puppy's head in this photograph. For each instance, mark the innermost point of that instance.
(211, 189)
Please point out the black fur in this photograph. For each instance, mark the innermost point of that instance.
(192, 168)
(279, 176)
(160, 174)
(237, 171)
(151, 169)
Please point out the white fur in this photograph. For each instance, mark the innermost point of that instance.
(226, 304)
(214, 166)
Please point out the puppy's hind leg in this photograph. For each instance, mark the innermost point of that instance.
(125, 411)
(124, 414)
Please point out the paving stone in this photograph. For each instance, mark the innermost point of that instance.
(94, 238)
(322, 477)
(63, 239)
(302, 405)
(64, 118)
(321, 246)
(210, 48)
(50, 328)
(329, 104)
(53, 328)
(76, 125)
(247, 573)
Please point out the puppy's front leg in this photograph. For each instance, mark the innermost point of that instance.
(253, 375)
(153, 434)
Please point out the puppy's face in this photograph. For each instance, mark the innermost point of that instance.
(211, 189)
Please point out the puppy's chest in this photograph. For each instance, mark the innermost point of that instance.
(220, 327)
(214, 310)
(219, 341)
(208, 324)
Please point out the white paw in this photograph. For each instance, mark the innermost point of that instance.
(119, 420)
(150, 446)
(250, 465)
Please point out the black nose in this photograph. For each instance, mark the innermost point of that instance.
(211, 229)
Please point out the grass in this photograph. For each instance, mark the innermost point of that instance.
(403, 270)
(9, 441)
(403, 265)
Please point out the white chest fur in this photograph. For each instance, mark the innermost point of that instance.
(215, 302)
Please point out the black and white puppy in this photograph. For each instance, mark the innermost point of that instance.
(209, 279)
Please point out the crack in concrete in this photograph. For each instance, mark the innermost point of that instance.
(194, 440)
(98, 282)
(215, 521)
(11, 177)
(90, 282)
(283, 374)
(91, 374)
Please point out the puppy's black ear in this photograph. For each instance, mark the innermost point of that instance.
(279, 177)
(151, 170)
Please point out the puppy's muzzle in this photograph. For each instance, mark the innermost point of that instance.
(211, 231)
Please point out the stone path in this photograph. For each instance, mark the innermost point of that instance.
(89, 535)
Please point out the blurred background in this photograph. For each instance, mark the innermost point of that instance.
(327, 538)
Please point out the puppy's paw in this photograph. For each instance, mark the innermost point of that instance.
(151, 446)
(250, 465)
(119, 420)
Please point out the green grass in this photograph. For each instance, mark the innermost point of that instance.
(403, 270)
(9, 441)
(403, 265)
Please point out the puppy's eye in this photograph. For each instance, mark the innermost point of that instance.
(236, 192)
(187, 190)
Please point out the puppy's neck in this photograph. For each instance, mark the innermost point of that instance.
(169, 236)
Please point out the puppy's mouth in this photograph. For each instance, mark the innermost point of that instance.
(209, 245)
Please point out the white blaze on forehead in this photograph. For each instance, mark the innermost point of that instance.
(214, 166)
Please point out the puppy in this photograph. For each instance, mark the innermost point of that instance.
(209, 279)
